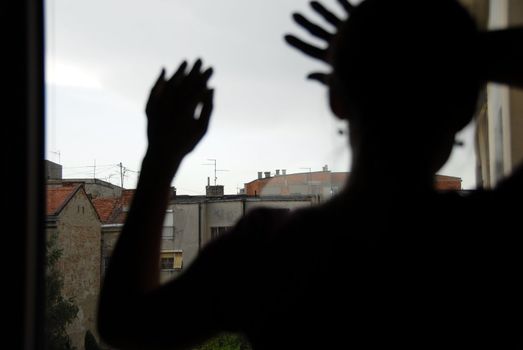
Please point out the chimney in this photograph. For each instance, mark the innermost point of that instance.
(172, 192)
(260, 175)
(267, 174)
(214, 191)
(284, 171)
(208, 181)
(325, 168)
(277, 172)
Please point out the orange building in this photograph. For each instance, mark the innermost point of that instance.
(319, 183)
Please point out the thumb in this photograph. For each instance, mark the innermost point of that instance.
(322, 78)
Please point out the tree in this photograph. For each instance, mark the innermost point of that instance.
(60, 312)
(225, 341)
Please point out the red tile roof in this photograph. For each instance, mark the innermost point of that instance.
(105, 207)
(58, 197)
(114, 210)
(444, 182)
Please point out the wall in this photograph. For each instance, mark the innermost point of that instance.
(79, 236)
(53, 170)
(516, 126)
(110, 234)
(505, 105)
(479, 10)
(498, 108)
(184, 218)
(281, 204)
(220, 214)
(186, 230)
(193, 221)
(515, 18)
(323, 183)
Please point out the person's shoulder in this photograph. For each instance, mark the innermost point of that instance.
(275, 218)
(265, 223)
(264, 214)
(512, 185)
(473, 200)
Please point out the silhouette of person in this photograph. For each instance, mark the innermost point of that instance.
(388, 262)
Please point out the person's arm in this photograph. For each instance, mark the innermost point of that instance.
(133, 275)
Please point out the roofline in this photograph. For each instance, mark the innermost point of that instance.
(448, 177)
(92, 204)
(340, 172)
(85, 180)
(73, 193)
(239, 198)
(66, 201)
(304, 173)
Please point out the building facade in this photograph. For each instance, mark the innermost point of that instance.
(321, 184)
(197, 220)
(74, 221)
(190, 223)
(500, 114)
(503, 136)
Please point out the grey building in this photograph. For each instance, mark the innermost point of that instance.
(190, 223)
(196, 220)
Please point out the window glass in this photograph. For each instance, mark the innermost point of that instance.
(167, 261)
(271, 135)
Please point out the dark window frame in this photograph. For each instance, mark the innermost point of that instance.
(24, 138)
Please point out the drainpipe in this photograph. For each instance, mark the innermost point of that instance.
(199, 226)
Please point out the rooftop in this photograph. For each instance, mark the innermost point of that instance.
(58, 197)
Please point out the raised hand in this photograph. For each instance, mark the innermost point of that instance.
(319, 32)
(174, 126)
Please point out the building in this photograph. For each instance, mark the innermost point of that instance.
(190, 223)
(323, 184)
(53, 171)
(72, 217)
(96, 188)
(500, 115)
(200, 219)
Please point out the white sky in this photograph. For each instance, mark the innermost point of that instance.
(103, 56)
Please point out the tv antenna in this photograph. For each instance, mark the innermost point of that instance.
(215, 170)
(57, 153)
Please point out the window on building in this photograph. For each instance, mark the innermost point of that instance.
(167, 261)
(178, 260)
(216, 231)
(171, 260)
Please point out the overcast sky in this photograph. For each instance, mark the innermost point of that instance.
(103, 56)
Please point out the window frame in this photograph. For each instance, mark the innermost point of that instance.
(24, 138)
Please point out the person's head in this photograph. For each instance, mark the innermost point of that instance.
(406, 69)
